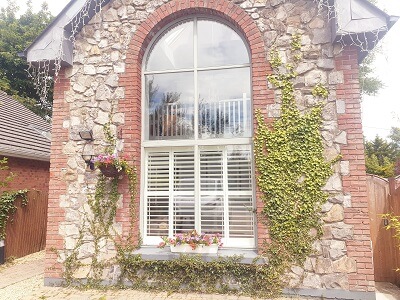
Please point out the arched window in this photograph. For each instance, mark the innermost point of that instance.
(198, 169)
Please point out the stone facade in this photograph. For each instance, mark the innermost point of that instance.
(105, 81)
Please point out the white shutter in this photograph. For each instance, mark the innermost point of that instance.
(225, 201)
(183, 193)
(239, 170)
(212, 191)
(157, 187)
(158, 171)
(157, 216)
(241, 217)
(184, 171)
(240, 199)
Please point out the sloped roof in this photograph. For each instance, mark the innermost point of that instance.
(363, 22)
(357, 19)
(23, 134)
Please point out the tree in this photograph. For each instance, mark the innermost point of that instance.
(381, 155)
(369, 83)
(16, 34)
(395, 136)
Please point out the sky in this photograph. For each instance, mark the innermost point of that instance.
(380, 112)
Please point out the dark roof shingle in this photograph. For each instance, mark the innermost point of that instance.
(22, 133)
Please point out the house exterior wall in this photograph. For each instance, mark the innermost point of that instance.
(30, 174)
(105, 81)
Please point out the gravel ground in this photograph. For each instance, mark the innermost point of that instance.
(22, 260)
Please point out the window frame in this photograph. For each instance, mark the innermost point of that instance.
(196, 142)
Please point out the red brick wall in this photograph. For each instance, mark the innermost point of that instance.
(131, 80)
(355, 183)
(57, 185)
(30, 174)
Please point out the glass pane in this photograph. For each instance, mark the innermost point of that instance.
(224, 103)
(173, 50)
(241, 217)
(212, 191)
(239, 168)
(212, 214)
(183, 213)
(158, 171)
(211, 170)
(184, 171)
(219, 45)
(157, 216)
(170, 106)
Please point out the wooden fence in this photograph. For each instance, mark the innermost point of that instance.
(27, 233)
(384, 197)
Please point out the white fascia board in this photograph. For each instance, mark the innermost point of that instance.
(359, 16)
(47, 45)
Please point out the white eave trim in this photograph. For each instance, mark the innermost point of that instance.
(17, 154)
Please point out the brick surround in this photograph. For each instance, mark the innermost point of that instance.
(354, 183)
(57, 186)
(131, 80)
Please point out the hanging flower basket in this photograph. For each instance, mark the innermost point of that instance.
(111, 165)
(110, 171)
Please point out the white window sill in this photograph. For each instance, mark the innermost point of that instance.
(154, 253)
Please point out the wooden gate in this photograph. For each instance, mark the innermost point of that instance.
(384, 197)
(27, 233)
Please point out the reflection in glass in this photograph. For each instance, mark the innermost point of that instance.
(219, 45)
(224, 103)
(173, 50)
(212, 191)
(170, 105)
(157, 216)
(241, 216)
(183, 213)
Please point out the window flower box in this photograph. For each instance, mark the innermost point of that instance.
(192, 242)
(186, 248)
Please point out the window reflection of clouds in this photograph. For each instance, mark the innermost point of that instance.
(219, 45)
(224, 103)
(223, 106)
(163, 84)
(174, 50)
(170, 105)
(224, 84)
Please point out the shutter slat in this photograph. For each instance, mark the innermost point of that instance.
(157, 216)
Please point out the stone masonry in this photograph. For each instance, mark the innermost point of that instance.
(105, 82)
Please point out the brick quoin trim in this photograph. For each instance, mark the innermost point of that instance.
(57, 186)
(355, 183)
(131, 80)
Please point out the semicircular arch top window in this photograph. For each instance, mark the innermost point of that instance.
(198, 72)
(197, 117)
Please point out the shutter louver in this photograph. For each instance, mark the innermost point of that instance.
(158, 171)
(157, 216)
(224, 204)
(241, 215)
(184, 200)
(211, 191)
(239, 170)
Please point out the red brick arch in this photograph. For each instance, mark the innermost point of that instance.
(162, 16)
